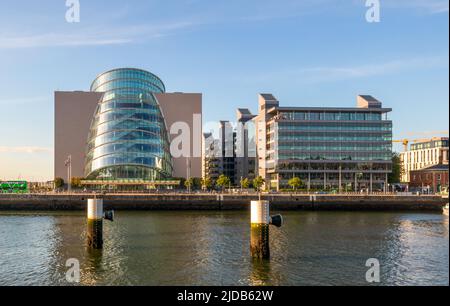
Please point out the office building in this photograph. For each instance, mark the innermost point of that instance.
(327, 148)
(210, 157)
(245, 146)
(424, 154)
(233, 152)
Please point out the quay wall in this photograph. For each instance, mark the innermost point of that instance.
(50, 202)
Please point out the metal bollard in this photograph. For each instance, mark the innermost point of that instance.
(95, 223)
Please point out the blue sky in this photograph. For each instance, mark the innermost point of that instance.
(307, 53)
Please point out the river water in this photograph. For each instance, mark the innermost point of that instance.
(212, 248)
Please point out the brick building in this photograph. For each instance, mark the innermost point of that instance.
(435, 178)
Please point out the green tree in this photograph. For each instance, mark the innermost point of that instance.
(182, 181)
(197, 184)
(59, 182)
(76, 182)
(397, 169)
(223, 181)
(295, 183)
(189, 183)
(258, 183)
(245, 183)
(206, 183)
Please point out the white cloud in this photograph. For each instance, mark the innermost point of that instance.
(320, 74)
(430, 6)
(25, 149)
(369, 70)
(90, 36)
(24, 100)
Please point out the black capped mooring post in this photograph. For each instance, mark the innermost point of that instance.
(95, 222)
(259, 235)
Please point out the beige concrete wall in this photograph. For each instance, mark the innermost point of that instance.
(73, 115)
(181, 107)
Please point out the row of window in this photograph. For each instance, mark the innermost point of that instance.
(430, 145)
(129, 103)
(333, 166)
(283, 126)
(336, 156)
(330, 116)
(285, 137)
(335, 148)
(123, 136)
(127, 74)
(123, 114)
(129, 93)
(128, 172)
(348, 177)
(155, 149)
(128, 124)
(136, 84)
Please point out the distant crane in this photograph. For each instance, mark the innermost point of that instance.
(433, 133)
(407, 141)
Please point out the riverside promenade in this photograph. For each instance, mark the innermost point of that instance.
(218, 202)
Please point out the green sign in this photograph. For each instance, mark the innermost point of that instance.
(14, 187)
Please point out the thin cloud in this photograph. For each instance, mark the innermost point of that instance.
(363, 71)
(24, 100)
(322, 74)
(430, 6)
(91, 36)
(28, 150)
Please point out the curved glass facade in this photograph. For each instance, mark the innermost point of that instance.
(128, 137)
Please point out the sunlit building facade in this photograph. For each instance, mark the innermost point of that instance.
(424, 154)
(245, 146)
(128, 136)
(327, 148)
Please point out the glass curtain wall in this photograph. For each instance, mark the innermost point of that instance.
(128, 136)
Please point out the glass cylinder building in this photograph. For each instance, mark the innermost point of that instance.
(128, 137)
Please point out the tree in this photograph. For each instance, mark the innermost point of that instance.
(295, 183)
(182, 181)
(223, 181)
(197, 182)
(397, 169)
(258, 183)
(189, 183)
(206, 183)
(76, 182)
(59, 182)
(245, 183)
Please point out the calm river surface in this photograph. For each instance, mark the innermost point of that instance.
(212, 248)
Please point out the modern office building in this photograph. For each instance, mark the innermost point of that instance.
(424, 154)
(121, 129)
(211, 159)
(327, 148)
(219, 152)
(245, 146)
(233, 152)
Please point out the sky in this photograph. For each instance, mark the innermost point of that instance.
(305, 52)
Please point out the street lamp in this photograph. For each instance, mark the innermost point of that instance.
(68, 164)
(188, 167)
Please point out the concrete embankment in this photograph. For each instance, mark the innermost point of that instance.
(224, 202)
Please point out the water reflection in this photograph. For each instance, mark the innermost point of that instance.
(261, 273)
(212, 248)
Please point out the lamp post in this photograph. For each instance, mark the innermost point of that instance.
(68, 164)
(188, 167)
